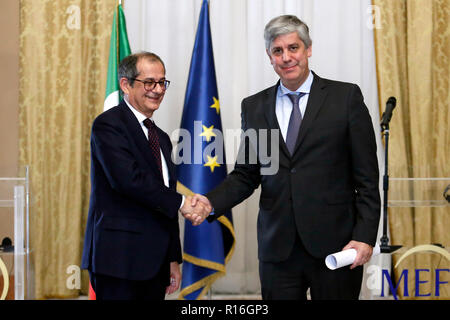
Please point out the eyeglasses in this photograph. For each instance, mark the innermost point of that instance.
(150, 84)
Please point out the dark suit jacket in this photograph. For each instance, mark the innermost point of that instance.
(132, 226)
(327, 192)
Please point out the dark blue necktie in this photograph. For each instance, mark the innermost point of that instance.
(294, 121)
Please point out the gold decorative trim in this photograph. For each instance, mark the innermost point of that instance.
(421, 248)
(4, 272)
(220, 268)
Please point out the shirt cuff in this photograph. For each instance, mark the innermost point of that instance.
(182, 201)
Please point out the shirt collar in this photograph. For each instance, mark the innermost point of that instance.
(139, 116)
(305, 87)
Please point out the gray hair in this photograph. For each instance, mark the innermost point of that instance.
(286, 24)
(128, 65)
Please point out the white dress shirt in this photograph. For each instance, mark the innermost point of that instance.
(283, 105)
(140, 117)
(165, 171)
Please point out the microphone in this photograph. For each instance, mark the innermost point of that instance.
(387, 114)
(6, 245)
(447, 193)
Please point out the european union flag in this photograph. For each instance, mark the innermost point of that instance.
(209, 246)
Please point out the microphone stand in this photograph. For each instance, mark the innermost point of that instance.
(384, 245)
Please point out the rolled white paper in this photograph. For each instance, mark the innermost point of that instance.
(345, 258)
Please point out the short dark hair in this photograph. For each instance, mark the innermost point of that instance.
(128, 65)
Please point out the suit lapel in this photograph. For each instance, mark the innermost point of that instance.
(316, 99)
(271, 117)
(134, 127)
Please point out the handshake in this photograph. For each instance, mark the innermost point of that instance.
(196, 208)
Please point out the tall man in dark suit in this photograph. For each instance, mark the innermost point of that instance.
(324, 196)
(132, 245)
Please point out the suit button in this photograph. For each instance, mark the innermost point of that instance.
(293, 170)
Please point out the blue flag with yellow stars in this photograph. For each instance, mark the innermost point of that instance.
(201, 167)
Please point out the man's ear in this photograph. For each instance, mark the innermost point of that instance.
(124, 84)
(309, 51)
(268, 54)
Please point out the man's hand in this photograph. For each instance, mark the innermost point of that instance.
(175, 278)
(202, 199)
(363, 252)
(194, 210)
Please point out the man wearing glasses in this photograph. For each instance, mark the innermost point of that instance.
(132, 245)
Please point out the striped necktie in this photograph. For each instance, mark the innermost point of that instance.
(154, 142)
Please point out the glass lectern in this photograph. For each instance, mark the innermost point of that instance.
(15, 263)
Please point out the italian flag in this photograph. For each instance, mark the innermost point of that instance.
(119, 48)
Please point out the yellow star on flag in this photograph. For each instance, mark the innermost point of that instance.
(216, 105)
(208, 132)
(212, 163)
